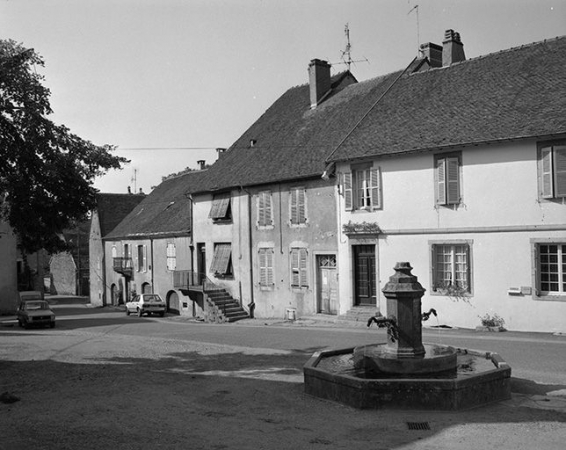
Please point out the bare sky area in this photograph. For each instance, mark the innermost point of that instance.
(169, 81)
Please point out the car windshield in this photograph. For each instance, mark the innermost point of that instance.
(32, 306)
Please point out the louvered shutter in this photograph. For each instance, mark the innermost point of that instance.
(303, 267)
(560, 170)
(267, 206)
(221, 259)
(546, 172)
(261, 209)
(301, 206)
(145, 258)
(453, 181)
(293, 194)
(262, 266)
(348, 194)
(295, 280)
(441, 181)
(269, 266)
(375, 189)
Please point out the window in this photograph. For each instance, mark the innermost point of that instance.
(142, 258)
(552, 170)
(220, 210)
(171, 257)
(299, 267)
(264, 217)
(127, 251)
(550, 268)
(297, 202)
(266, 267)
(447, 179)
(362, 188)
(222, 260)
(114, 252)
(451, 268)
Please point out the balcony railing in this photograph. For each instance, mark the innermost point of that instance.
(189, 279)
(123, 265)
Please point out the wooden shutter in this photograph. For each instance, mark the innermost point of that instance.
(348, 194)
(261, 209)
(145, 258)
(452, 181)
(293, 194)
(269, 266)
(267, 206)
(375, 188)
(546, 172)
(221, 259)
(441, 181)
(301, 205)
(303, 267)
(560, 171)
(262, 267)
(295, 280)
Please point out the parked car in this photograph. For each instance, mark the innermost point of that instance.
(35, 312)
(146, 304)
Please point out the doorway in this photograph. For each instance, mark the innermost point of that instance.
(365, 291)
(327, 284)
(201, 263)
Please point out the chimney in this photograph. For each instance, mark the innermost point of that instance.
(141, 191)
(433, 53)
(129, 190)
(319, 81)
(453, 49)
(201, 163)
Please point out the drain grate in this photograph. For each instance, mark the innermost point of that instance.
(418, 425)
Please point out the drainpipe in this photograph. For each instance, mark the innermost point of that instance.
(152, 286)
(251, 305)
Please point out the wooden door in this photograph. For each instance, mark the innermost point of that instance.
(364, 275)
(327, 284)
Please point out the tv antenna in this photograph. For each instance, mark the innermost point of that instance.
(416, 9)
(347, 53)
(134, 179)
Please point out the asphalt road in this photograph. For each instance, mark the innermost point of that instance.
(537, 357)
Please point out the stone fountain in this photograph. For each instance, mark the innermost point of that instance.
(404, 373)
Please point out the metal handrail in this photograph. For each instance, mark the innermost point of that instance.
(190, 278)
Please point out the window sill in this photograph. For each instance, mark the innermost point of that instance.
(550, 298)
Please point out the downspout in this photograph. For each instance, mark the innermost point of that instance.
(251, 305)
(151, 245)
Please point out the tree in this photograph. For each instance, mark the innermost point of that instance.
(46, 172)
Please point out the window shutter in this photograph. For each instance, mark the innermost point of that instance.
(560, 170)
(261, 209)
(293, 193)
(269, 266)
(295, 281)
(301, 200)
(375, 189)
(453, 181)
(145, 258)
(303, 266)
(262, 266)
(348, 199)
(441, 181)
(267, 205)
(546, 172)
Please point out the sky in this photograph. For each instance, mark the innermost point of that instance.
(169, 81)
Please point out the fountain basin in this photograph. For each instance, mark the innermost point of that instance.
(449, 393)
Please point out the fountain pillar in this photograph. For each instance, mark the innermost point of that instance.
(403, 293)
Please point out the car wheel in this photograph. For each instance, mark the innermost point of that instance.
(52, 324)
(140, 313)
(20, 324)
(127, 311)
(162, 314)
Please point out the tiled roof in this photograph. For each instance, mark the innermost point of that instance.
(164, 212)
(513, 94)
(292, 141)
(112, 208)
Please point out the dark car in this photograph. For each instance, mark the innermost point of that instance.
(35, 312)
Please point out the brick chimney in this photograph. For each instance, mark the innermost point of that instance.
(319, 81)
(201, 163)
(433, 53)
(453, 49)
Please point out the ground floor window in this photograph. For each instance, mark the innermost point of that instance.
(551, 268)
(299, 268)
(266, 279)
(451, 268)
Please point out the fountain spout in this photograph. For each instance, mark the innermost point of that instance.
(389, 322)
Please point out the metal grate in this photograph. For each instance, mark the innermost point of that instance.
(418, 425)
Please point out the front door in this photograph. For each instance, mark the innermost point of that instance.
(364, 275)
(327, 280)
(201, 263)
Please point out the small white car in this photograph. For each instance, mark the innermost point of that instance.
(146, 304)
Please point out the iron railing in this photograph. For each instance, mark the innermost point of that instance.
(123, 265)
(187, 279)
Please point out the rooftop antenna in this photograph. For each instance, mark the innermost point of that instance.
(416, 9)
(134, 179)
(346, 54)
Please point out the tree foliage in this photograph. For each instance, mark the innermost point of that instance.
(46, 172)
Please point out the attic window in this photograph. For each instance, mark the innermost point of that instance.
(220, 210)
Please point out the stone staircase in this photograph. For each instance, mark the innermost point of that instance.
(358, 315)
(224, 307)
